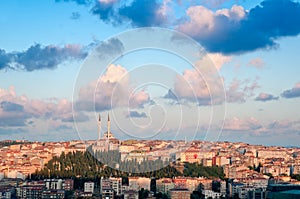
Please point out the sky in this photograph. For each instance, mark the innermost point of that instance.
(207, 69)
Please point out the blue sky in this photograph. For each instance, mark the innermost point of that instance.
(253, 48)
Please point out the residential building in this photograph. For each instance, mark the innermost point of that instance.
(89, 187)
(180, 193)
(131, 194)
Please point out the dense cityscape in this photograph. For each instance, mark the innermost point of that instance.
(181, 169)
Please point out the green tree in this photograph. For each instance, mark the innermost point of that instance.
(143, 193)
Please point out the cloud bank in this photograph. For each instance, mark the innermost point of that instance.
(237, 31)
(19, 110)
(113, 89)
(38, 57)
(227, 31)
(138, 13)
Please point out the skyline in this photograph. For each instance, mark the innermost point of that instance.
(252, 46)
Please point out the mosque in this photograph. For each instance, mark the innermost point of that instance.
(107, 142)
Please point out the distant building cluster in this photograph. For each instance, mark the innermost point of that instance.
(20, 160)
(108, 188)
(175, 188)
(43, 189)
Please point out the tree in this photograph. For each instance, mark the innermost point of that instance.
(236, 196)
(258, 168)
(69, 194)
(216, 186)
(296, 176)
(197, 193)
(143, 193)
(197, 170)
(160, 195)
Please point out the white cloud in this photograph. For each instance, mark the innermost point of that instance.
(201, 86)
(113, 89)
(239, 91)
(219, 59)
(205, 86)
(114, 74)
(19, 110)
(238, 124)
(236, 13)
(203, 22)
(191, 86)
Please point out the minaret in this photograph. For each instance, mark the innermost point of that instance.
(99, 127)
(108, 126)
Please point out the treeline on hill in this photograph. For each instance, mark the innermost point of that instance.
(83, 166)
(197, 170)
